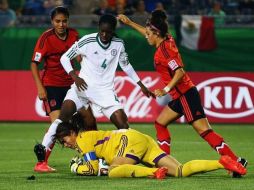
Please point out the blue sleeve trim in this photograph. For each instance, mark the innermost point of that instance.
(90, 156)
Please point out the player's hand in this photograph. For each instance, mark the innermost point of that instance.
(124, 19)
(147, 92)
(80, 83)
(74, 163)
(42, 93)
(160, 92)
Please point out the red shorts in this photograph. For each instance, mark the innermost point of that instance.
(55, 97)
(189, 105)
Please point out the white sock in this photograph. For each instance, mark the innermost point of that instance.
(48, 137)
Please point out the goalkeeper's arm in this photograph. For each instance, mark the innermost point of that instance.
(89, 166)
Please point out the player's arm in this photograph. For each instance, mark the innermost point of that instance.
(42, 93)
(40, 50)
(128, 69)
(178, 75)
(88, 167)
(124, 19)
(65, 60)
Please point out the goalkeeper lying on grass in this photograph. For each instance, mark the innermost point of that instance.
(123, 149)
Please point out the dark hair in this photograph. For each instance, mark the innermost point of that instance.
(64, 129)
(108, 19)
(158, 22)
(59, 9)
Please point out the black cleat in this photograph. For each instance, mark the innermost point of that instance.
(244, 162)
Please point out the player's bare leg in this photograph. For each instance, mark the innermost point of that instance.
(120, 119)
(88, 119)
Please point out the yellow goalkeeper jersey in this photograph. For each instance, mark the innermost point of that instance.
(118, 143)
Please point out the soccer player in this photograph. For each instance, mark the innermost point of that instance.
(54, 82)
(186, 98)
(101, 52)
(123, 149)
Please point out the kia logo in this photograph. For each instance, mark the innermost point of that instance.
(222, 94)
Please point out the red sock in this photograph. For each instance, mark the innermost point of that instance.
(48, 152)
(163, 137)
(217, 143)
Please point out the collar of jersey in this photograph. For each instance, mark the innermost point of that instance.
(101, 44)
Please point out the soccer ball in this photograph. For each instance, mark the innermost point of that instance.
(103, 168)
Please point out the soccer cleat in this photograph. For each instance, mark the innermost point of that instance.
(160, 173)
(232, 165)
(43, 167)
(244, 163)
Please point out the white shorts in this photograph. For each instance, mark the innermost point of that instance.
(101, 101)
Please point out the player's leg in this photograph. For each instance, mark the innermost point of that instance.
(116, 115)
(156, 157)
(132, 147)
(86, 116)
(199, 166)
(214, 140)
(55, 97)
(162, 133)
(119, 119)
(54, 115)
(195, 115)
(125, 167)
(42, 151)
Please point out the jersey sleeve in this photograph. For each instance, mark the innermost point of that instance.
(85, 146)
(126, 66)
(68, 56)
(40, 49)
(172, 57)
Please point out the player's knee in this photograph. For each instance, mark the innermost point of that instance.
(179, 171)
(123, 126)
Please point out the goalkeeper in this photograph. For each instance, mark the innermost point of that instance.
(123, 149)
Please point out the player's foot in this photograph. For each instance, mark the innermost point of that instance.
(232, 165)
(244, 163)
(43, 167)
(160, 173)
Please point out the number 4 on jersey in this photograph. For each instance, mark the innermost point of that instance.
(104, 65)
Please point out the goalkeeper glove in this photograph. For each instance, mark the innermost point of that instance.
(75, 163)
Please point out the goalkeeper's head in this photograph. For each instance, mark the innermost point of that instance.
(66, 134)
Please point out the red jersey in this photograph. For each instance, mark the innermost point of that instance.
(167, 60)
(50, 48)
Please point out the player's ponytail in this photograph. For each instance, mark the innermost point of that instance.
(158, 23)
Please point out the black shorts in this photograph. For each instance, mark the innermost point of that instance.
(55, 97)
(189, 105)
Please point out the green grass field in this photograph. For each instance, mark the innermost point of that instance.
(17, 161)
